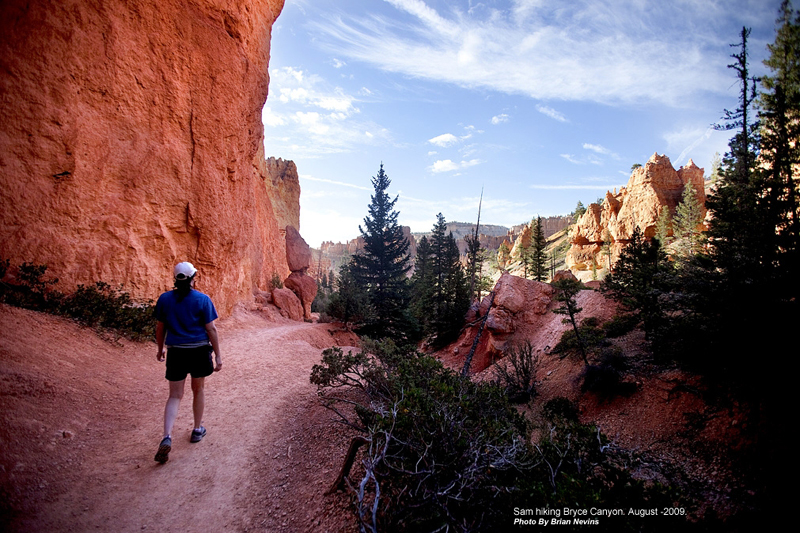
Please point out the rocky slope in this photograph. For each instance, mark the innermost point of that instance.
(132, 139)
(649, 188)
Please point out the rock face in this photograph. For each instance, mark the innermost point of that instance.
(517, 302)
(288, 303)
(649, 188)
(522, 312)
(132, 139)
(298, 257)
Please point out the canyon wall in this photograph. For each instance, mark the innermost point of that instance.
(131, 139)
(611, 224)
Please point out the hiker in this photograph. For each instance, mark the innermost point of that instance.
(186, 322)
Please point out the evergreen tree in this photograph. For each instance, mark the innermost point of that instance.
(441, 289)
(664, 226)
(566, 290)
(579, 211)
(503, 254)
(349, 303)
(688, 217)
(380, 268)
(538, 254)
(734, 235)
(780, 150)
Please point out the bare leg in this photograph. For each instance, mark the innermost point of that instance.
(174, 401)
(199, 400)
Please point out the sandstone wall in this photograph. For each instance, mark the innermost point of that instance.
(131, 139)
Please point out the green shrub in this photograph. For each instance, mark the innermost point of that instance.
(99, 306)
(591, 334)
(620, 325)
(605, 378)
(102, 306)
(276, 282)
(441, 450)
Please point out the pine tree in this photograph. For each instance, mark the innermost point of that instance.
(688, 217)
(780, 150)
(440, 287)
(380, 268)
(538, 255)
(664, 226)
(349, 303)
(733, 233)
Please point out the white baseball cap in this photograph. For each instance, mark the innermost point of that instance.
(184, 270)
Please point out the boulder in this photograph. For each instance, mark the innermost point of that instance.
(305, 288)
(564, 274)
(288, 303)
(298, 253)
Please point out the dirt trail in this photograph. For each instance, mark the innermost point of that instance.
(81, 420)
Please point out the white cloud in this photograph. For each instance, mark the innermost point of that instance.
(446, 139)
(571, 158)
(497, 119)
(446, 165)
(443, 165)
(583, 50)
(338, 63)
(433, 152)
(309, 117)
(596, 148)
(552, 113)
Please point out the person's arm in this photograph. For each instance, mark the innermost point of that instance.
(160, 335)
(211, 329)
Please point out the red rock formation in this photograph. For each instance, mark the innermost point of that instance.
(522, 312)
(131, 139)
(649, 188)
(305, 288)
(283, 184)
(298, 253)
(288, 303)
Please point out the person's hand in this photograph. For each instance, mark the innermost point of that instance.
(162, 355)
(218, 366)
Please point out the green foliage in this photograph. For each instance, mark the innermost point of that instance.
(580, 209)
(275, 282)
(641, 277)
(566, 290)
(604, 378)
(100, 306)
(664, 226)
(538, 255)
(589, 336)
(442, 451)
(348, 303)
(576, 466)
(688, 218)
(380, 268)
(635, 166)
(440, 290)
(516, 373)
(619, 325)
(103, 306)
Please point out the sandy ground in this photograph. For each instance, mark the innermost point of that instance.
(82, 418)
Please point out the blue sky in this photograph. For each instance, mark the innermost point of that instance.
(541, 103)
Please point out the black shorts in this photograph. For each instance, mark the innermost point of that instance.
(194, 361)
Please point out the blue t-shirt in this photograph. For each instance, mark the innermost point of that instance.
(186, 317)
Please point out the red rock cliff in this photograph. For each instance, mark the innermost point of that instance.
(649, 188)
(131, 139)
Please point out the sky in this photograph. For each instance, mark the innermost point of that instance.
(539, 103)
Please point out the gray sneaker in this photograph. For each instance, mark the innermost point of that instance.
(198, 434)
(162, 455)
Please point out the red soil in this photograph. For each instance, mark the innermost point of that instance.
(82, 418)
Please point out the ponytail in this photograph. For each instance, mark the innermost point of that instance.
(183, 286)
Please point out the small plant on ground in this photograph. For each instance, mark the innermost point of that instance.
(516, 373)
(275, 282)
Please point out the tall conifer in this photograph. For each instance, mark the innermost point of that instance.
(380, 268)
